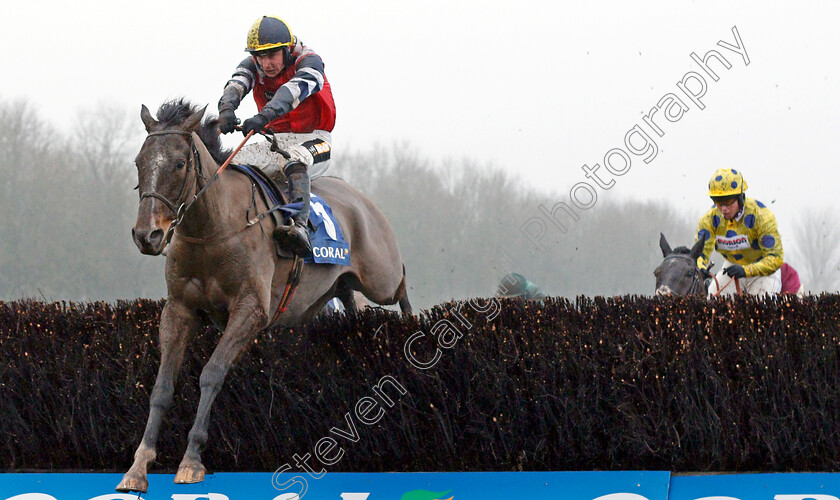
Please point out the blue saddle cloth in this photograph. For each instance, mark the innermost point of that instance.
(328, 243)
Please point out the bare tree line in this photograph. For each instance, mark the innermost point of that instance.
(68, 206)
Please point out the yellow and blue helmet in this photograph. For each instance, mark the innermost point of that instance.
(267, 33)
(727, 182)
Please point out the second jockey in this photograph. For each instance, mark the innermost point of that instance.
(295, 103)
(744, 232)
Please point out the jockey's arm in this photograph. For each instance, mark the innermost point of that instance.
(704, 227)
(770, 243)
(240, 83)
(307, 80)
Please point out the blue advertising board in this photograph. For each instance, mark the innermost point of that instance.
(350, 486)
(654, 485)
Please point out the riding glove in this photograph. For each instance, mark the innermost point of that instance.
(735, 271)
(255, 123)
(227, 121)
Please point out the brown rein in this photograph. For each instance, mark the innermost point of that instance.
(717, 284)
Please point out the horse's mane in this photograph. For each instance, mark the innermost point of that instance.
(684, 250)
(174, 112)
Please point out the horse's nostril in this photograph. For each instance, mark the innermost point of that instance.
(155, 237)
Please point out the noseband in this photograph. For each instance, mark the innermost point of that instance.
(179, 202)
(696, 281)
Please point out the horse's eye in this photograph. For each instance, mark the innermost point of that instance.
(180, 164)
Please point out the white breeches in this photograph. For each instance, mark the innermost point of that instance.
(756, 285)
(260, 155)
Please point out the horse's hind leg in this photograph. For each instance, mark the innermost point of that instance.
(347, 298)
(246, 320)
(176, 325)
(349, 295)
(402, 293)
(380, 292)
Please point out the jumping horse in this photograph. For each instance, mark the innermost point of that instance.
(222, 262)
(678, 273)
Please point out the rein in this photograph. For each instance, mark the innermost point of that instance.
(737, 286)
(696, 281)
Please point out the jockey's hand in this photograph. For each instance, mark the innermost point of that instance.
(735, 271)
(255, 123)
(227, 121)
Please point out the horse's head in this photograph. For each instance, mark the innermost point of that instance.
(167, 169)
(678, 273)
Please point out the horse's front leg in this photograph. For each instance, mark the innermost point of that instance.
(246, 320)
(177, 323)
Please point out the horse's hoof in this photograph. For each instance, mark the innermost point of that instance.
(131, 483)
(188, 474)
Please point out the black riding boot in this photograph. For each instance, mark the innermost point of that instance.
(295, 236)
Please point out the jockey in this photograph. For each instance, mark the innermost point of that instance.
(514, 285)
(295, 103)
(744, 232)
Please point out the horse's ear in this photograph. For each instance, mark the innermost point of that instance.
(697, 249)
(148, 121)
(192, 122)
(663, 244)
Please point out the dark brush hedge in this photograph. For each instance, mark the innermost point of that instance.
(625, 383)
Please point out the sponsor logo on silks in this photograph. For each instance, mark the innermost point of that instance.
(319, 149)
(730, 243)
(426, 495)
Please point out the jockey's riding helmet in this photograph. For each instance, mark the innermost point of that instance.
(512, 285)
(268, 33)
(728, 183)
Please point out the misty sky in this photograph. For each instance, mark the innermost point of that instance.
(536, 88)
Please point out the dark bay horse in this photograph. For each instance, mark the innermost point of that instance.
(222, 263)
(678, 273)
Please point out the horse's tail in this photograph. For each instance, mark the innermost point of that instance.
(402, 295)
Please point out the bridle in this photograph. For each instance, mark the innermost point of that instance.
(296, 268)
(192, 165)
(183, 206)
(696, 282)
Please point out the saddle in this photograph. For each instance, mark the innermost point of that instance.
(329, 245)
(271, 195)
(270, 191)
